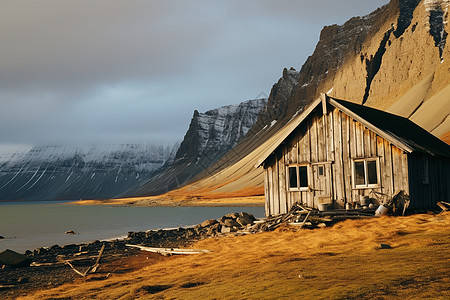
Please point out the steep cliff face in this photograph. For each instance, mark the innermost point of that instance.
(209, 137)
(69, 173)
(378, 59)
(213, 133)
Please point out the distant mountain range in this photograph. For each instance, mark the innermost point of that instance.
(74, 172)
(108, 171)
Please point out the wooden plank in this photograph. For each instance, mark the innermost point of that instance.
(405, 178)
(389, 175)
(266, 192)
(314, 142)
(276, 194)
(271, 191)
(346, 156)
(331, 132)
(321, 154)
(338, 174)
(373, 144)
(380, 153)
(282, 184)
(359, 140)
(352, 141)
(366, 142)
(397, 169)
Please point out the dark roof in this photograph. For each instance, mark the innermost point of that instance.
(400, 128)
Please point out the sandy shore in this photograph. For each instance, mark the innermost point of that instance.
(170, 201)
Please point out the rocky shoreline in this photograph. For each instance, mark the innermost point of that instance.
(49, 266)
(56, 265)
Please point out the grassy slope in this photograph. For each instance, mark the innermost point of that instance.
(344, 261)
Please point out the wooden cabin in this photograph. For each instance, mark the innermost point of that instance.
(337, 152)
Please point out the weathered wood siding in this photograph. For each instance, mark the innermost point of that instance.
(332, 140)
(428, 184)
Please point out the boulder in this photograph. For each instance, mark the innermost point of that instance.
(232, 215)
(244, 220)
(230, 223)
(14, 259)
(247, 215)
(225, 229)
(208, 223)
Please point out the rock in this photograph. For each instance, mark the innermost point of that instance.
(230, 223)
(385, 246)
(225, 229)
(208, 223)
(23, 280)
(55, 248)
(70, 232)
(1, 237)
(244, 220)
(71, 247)
(247, 215)
(232, 215)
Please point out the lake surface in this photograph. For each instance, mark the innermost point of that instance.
(30, 225)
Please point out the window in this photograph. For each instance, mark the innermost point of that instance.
(366, 172)
(321, 170)
(298, 177)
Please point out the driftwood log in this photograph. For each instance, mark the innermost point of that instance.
(91, 269)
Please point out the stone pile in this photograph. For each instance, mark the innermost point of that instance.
(232, 223)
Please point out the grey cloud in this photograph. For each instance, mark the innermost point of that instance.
(74, 71)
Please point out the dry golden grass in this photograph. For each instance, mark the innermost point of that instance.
(341, 262)
(177, 200)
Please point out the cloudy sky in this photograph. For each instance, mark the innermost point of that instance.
(101, 71)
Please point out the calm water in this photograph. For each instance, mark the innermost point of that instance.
(32, 225)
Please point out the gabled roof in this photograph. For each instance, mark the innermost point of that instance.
(400, 131)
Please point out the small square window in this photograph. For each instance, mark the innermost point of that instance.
(365, 172)
(321, 170)
(298, 177)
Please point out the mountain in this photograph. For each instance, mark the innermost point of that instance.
(396, 58)
(74, 172)
(210, 135)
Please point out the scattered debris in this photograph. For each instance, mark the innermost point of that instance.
(305, 217)
(445, 206)
(91, 269)
(170, 251)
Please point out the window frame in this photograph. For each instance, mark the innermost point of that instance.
(298, 188)
(366, 184)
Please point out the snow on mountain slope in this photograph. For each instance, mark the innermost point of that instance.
(74, 172)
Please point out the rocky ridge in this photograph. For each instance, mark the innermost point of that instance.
(210, 135)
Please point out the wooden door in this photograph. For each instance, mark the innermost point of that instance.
(322, 183)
